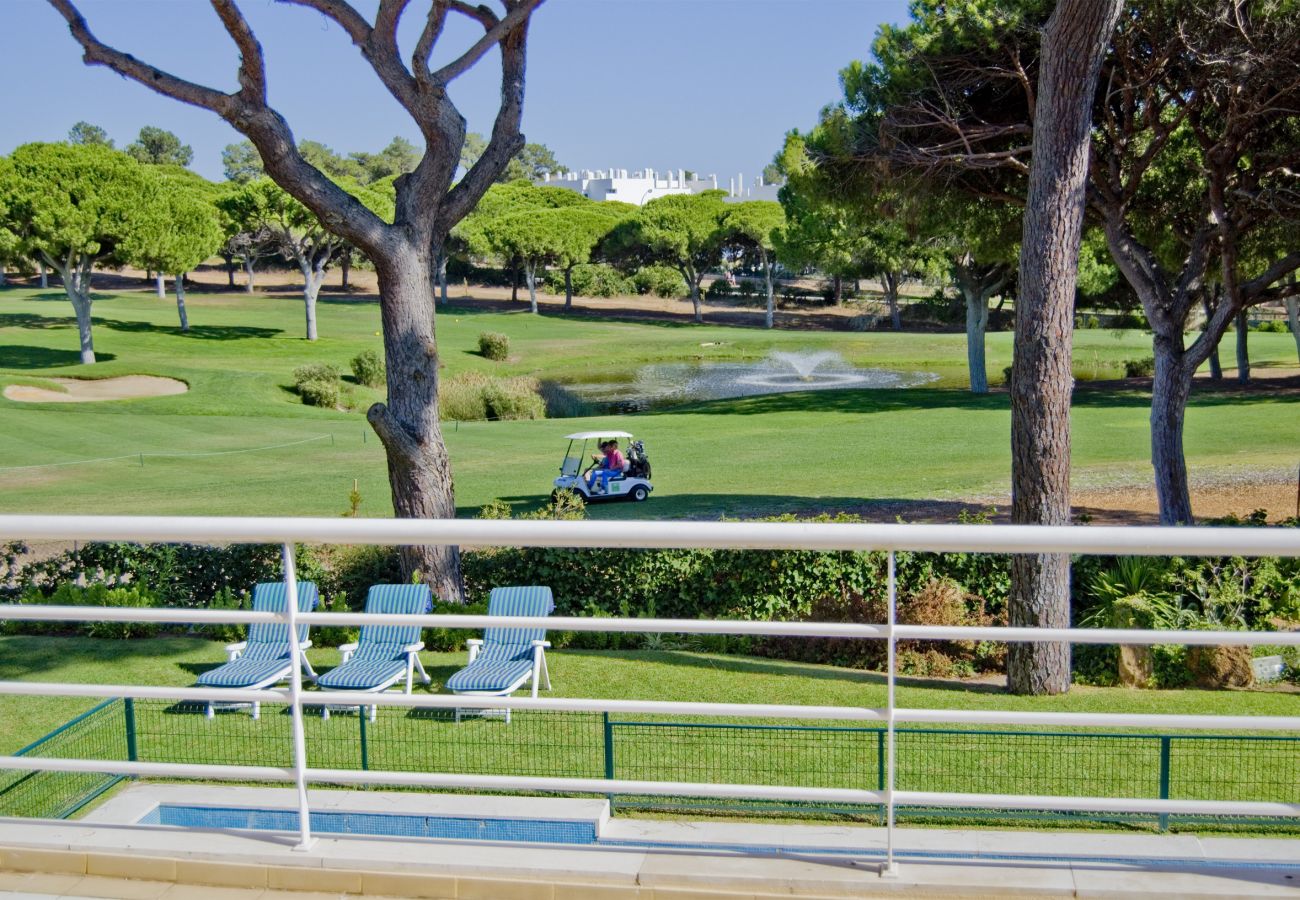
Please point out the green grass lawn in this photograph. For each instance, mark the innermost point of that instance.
(828, 754)
(798, 452)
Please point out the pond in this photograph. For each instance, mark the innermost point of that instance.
(660, 385)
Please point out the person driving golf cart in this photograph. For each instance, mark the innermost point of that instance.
(611, 464)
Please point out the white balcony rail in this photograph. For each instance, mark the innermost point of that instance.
(748, 536)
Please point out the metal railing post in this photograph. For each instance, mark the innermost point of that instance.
(1164, 778)
(132, 751)
(295, 699)
(890, 868)
(365, 743)
(609, 756)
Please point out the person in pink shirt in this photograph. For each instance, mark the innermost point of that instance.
(612, 464)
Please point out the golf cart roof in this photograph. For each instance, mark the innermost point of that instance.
(588, 435)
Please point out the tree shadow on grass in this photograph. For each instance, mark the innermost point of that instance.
(711, 507)
(31, 320)
(196, 332)
(750, 665)
(26, 655)
(18, 356)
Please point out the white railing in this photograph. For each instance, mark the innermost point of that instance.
(750, 536)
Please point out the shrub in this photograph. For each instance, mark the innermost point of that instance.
(592, 280)
(718, 290)
(494, 345)
(1006, 376)
(563, 403)
(1277, 326)
(1140, 368)
(513, 398)
(96, 594)
(318, 385)
(662, 281)
(321, 393)
(473, 397)
(368, 368)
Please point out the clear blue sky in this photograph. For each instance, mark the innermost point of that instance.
(708, 85)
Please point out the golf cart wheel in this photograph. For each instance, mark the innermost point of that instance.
(639, 493)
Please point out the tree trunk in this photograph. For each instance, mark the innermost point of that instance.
(1216, 369)
(769, 318)
(568, 289)
(312, 277)
(1074, 42)
(76, 286)
(1293, 319)
(977, 322)
(442, 278)
(4, 282)
(345, 265)
(180, 301)
(693, 281)
(514, 284)
(45, 277)
(419, 470)
(160, 284)
(530, 276)
(838, 283)
(1243, 349)
(230, 269)
(890, 281)
(248, 270)
(1170, 387)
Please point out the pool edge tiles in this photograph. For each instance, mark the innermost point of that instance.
(377, 824)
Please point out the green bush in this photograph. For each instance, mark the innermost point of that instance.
(474, 397)
(368, 368)
(592, 280)
(718, 290)
(1140, 368)
(95, 594)
(494, 345)
(321, 393)
(318, 385)
(1276, 326)
(662, 281)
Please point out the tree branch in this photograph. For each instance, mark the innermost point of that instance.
(252, 67)
(391, 432)
(428, 37)
(496, 34)
(99, 54)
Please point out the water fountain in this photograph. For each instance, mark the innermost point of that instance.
(668, 384)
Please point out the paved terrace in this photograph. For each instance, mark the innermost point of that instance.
(104, 855)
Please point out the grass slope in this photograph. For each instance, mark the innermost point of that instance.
(573, 744)
(796, 452)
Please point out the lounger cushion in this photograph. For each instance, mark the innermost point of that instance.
(379, 659)
(245, 672)
(492, 675)
(265, 659)
(507, 653)
(371, 666)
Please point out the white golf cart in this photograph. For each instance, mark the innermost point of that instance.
(633, 483)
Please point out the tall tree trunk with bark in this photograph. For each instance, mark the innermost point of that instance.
(313, 276)
(160, 285)
(568, 288)
(837, 287)
(1243, 349)
(180, 301)
(230, 269)
(977, 284)
(75, 273)
(1216, 368)
(248, 271)
(1171, 385)
(693, 280)
(442, 277)
(530, 277)
(44, 273)
(890, 281)
(1074, 41)
(345, 266)
(419, 470)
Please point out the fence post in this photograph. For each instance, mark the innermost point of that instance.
(890, 868)
(880, 768)
(609, 756)
(365, 746)
(295, 697)
(1164, 778)
(132, 753)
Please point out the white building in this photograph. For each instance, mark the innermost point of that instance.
(644, 185)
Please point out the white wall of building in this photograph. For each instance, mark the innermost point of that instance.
(643, 185)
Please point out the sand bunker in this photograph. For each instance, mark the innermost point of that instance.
(84, 390)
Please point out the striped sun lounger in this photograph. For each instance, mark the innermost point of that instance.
(506, 658)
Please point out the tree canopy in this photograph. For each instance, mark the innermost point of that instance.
(684, 231)
(157, 146)
(86, 133)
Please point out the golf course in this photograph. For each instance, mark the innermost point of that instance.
(239, 440)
